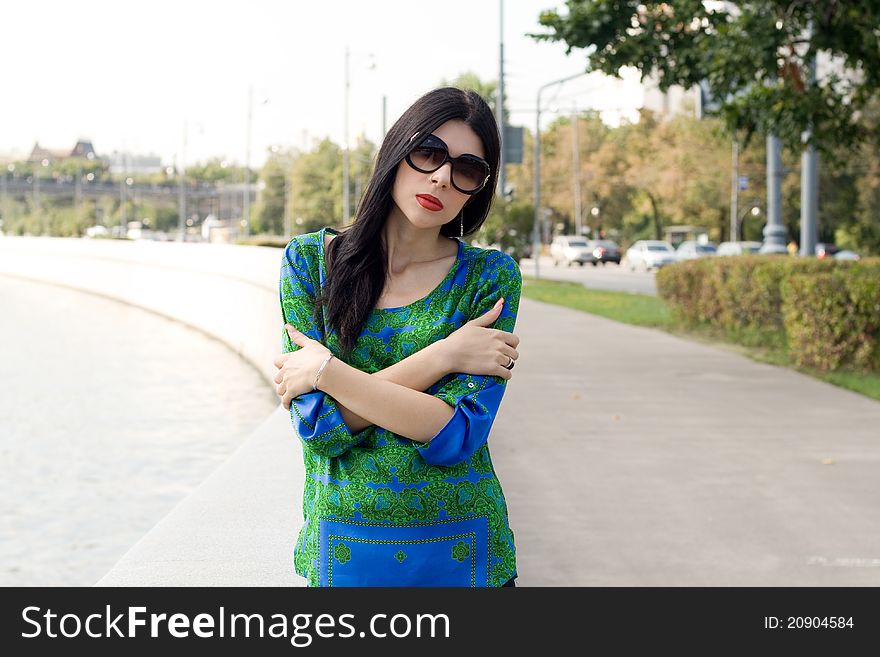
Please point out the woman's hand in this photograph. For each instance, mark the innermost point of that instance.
(297, 369)
(476, 349)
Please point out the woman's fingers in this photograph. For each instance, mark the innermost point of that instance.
(509, 351)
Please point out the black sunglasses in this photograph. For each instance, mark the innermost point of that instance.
(469, 172)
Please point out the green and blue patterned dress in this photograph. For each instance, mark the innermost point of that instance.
(380, 509)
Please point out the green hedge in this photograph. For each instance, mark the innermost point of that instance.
(827, 311)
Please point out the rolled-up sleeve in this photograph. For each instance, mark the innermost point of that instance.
(476, 399)
(314, 415)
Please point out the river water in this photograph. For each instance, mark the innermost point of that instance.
(109, 416)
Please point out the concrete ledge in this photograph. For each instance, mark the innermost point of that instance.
(238, 528)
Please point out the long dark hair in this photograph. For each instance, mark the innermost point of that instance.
(356, 258)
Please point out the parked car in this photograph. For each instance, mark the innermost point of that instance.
(648, 254)
(737, 248)
(825, 249)
(570, 249)
(604, 251)
(846, 254)
(691, 250)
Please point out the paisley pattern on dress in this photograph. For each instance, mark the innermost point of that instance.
(435, 511)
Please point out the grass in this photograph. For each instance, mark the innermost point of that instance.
(651, 311)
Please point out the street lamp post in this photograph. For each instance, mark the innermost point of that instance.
(10, 168)
(536, 250)
(123, 200)
(499, 107)
(576, 162)
(44, 163)
(755, 210)
(346, 160)
(246, 201)
(181, 190)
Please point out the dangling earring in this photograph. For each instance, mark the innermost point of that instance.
(462, 223)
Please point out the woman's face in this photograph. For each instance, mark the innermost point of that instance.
(410, 184)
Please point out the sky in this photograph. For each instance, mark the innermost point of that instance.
(145, 76)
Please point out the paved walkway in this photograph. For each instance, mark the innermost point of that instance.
(630, 457)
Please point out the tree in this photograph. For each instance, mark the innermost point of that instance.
(753, 56)
(316, 186)
(214, 170)
(272, 198)
(488, 90)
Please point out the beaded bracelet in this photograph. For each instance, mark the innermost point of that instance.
(321, 369)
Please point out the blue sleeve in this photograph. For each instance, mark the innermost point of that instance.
(314, 415)
(476, 399)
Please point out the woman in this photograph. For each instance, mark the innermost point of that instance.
(392, 370)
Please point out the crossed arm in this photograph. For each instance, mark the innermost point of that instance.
(449, 424)
(416, 373)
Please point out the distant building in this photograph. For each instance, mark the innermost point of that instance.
(119, 162)
(81, 149)
(84, 149)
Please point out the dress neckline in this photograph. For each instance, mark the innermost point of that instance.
(449, 274)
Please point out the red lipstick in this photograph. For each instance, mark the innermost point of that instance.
(429, 202)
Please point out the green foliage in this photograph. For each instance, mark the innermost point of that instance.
(272, 199)
(826, 311)
(316, 183)
(52, 219)
(833, 319)
(214, 170)
(753, 55)
(508, 226)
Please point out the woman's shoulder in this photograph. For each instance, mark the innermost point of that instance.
(307, 245)
(303, 254)
(305, 239)
(488, 262)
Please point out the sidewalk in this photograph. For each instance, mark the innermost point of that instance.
(630, 457)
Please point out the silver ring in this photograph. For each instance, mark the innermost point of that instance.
(509, 365)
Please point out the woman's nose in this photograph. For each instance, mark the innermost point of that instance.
(442, 175)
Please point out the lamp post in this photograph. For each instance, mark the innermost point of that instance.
(124, 184)
(755, 210)
(536, 240)
(246, 201)
(346, 198)
(45, 164)
(499, 108)
(576, 163)
(10, 168)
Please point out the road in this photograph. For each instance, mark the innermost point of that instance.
(601, 277)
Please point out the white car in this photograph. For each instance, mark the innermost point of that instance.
(570, 249)
(737, 248)
(650, 254)
(691, 250)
